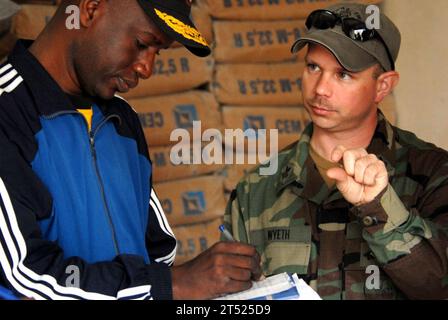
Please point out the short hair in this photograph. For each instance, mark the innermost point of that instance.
(378, 71)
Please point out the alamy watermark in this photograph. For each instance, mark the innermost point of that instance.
(73, 279)
(230, 149)
(373, 281)
(373, 20)
(73, 20)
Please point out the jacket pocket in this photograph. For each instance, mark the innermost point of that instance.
(284, 248)
(286, 257)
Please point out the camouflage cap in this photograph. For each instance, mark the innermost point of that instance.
(355, 55)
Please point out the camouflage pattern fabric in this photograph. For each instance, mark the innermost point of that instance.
(299, 225)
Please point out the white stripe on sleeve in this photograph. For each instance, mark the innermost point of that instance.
(25, 280)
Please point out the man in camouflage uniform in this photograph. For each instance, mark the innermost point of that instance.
(358, 207)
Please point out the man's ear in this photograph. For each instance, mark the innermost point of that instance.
(386, 83)
(87, 11)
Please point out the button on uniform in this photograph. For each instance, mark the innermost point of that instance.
(368, 221)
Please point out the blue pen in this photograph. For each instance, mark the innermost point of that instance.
(226, 233)
(6, 294)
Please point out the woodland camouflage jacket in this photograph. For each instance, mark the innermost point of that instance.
(299, 225)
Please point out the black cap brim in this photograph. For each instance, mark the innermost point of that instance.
(177, 25)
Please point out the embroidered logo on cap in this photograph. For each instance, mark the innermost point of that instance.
(181, 28)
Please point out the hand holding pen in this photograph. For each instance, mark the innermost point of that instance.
(226, 267)
(226, 233)
(228, 236)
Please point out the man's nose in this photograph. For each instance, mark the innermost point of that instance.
(323, 86)
(144, 65)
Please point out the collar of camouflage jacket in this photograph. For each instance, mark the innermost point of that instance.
(298, 167)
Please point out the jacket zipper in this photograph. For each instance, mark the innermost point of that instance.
(91, 136)
(101, 184)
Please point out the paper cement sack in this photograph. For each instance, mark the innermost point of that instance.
(159, 116)
(202, 20)
(175, 70)
(165, 170)
(194, 200)
(31, 20)
(289, 121)
(257, 41)
(195, 238)
(269, 9)
(258, 84)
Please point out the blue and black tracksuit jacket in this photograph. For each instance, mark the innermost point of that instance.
(74, 202)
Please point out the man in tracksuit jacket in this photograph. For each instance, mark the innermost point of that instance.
(79, 218)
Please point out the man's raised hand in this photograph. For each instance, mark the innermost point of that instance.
(361, 177)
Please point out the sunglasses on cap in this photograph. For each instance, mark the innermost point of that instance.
(353, 28)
